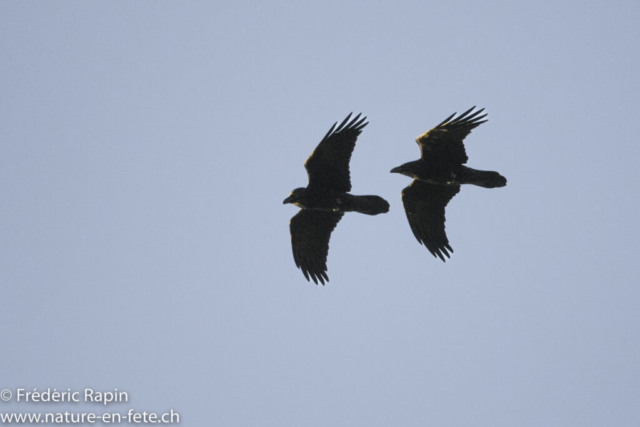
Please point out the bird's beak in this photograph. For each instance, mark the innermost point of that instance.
(396, 169)
(288, 200)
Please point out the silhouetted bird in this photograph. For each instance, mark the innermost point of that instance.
(437, 178)
(327, 198)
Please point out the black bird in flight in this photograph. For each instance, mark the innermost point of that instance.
(437, 177)
(326, 198)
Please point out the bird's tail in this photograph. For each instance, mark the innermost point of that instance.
(369, 205)
(486, 179)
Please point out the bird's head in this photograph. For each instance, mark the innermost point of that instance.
(408, 169)
(295, 196)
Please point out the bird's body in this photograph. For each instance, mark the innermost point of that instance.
(325, 200)
(452, 175)
(438, 175)
(329, 200)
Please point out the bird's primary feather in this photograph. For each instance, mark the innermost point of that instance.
(328, 164)
(424, 205)
(443, 144)
(310, 234)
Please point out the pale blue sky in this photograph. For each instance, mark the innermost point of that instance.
(146, 148)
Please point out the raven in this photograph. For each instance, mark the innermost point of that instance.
(326, 198)
(437, 177)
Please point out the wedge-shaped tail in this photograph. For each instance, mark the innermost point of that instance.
(486, 179)
(369, 205)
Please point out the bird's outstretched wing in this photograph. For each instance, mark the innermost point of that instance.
(310, 234)
(424, 205)
(328, 165)
(443, 145)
